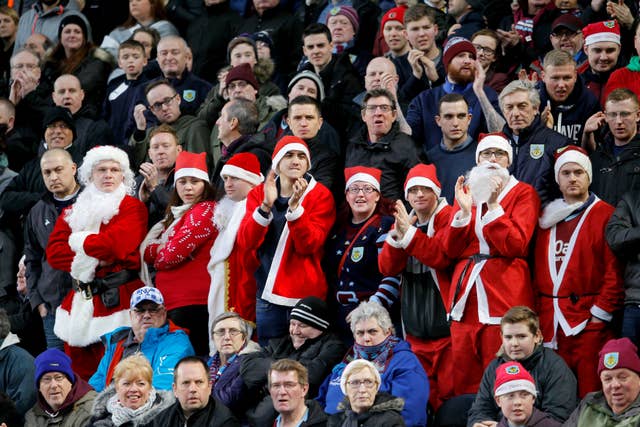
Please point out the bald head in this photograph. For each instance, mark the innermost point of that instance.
(7, 113)
(380, 73)
(68, 93)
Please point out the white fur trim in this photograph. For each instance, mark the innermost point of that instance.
(408, 237)
(99, 154)
(494, 141)
(422, 181)
(260, 219)
(293, 146)
(600, 313)
(392, 239)
(572, 156)
(79, 328)
(604, 36)
(293, 215)
(194, 172)
(237, 172)
(516, 385)
(364, 177)
(83, 266)
(555, 212)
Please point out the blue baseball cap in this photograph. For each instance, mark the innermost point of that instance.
(146, 293)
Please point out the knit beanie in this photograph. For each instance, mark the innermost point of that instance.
(307, 74)
(455, 46)
(348, 12)
(242, 72)
(620, 353)
(53, 360)
(311, 311)
(73, 19)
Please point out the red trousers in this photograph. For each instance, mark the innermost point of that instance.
(580, 352)
(85, 360)
(435, 357)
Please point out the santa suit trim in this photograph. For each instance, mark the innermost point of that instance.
(267, 293)
(260, 219)
(66, 325)
(83, 266)
(557, 277)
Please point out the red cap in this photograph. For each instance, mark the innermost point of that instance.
(244, 166)
(424, 175)
(393, 14)
(361, 173)
(572, 154)
(455, 46)
(286, 144)
(510, 377)
(603, 31)
(191, 164)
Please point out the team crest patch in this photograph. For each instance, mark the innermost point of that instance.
(512, 370)
(357, 254)
(536, 151)
(611, 360)
(609, 24)
(189, 95)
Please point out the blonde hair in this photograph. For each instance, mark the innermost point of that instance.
(133, 366)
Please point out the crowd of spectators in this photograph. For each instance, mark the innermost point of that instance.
(341, 212)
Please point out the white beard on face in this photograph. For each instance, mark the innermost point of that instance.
(480, 182)
(94, 207)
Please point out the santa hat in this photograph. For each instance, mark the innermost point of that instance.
(455, 46)
(572, 154)
(494, 140)
(393, 14)
(603, 31)
(424, 175)
(361, 173)
(617, 354)
(349, 13)
(510, 377)
(100, 154)
(242, 72)
(191, 164)
(244, 166)
(288, 143)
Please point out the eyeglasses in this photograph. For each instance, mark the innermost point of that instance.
(157, 106)
(565, 34)
(22, 66)
(290, 385)
(357, 383)
(141, 311)
(367, 189)
(231, 331)
(238, 84)
(385, 108)
(499, 154)
(48, 379)
(612, 115)
(487, 50)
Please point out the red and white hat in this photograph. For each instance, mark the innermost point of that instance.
(510, 377)
(244, 166)
(286, 144)
(494, 140)
(361, 173)
(572, 154)
(603, 31)
(191, 164)
(424, 175)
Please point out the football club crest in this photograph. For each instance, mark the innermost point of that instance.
(611, 360)
(357, 254)
(536, 151)
(189, 95)
(609, 24)
(512, 370)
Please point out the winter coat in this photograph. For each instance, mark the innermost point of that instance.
(91, 132)
(37, 20)
(163, 347)
(75, 413)
(16, 374)
(470, 22)
(537, 419)
(614, 175)
(215, 414)
(622, 234)
(385, 412)
(533, 157)
(101, 417)
(118, 106)
(593, 411)
(403, 377)
(394, 154)
(112, 41)
(256, 144)
(556, 385)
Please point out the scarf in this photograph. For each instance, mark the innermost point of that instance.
(217, 368)
(380, 355)
(120, 414)
(634, 63)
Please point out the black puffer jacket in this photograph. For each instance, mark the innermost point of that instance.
(623, 236)
(384, 412)
(555, 383)
(614, 175)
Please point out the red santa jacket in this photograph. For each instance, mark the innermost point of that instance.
(425, 247)
(181, 265)
(295, 270)
(80, 322)
(502, 280)
(590, 273)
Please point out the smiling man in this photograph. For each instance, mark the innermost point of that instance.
(577, 297)
(602, 46)
(161, 342)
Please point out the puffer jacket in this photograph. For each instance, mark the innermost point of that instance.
(623, 236)
(101, 417)
(384, 412)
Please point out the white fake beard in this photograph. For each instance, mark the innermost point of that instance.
(94, 207)
(480, 182)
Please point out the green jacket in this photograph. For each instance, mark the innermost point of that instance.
(594, 411)
(79, 416)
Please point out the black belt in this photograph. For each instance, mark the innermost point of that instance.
(475, 258)
(99, 285)
(572, 296)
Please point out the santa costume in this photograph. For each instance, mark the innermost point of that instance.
(421, 258)
(577, 278)
(233, 287)
(96, 240)
(491, 273)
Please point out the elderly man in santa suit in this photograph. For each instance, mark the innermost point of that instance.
(233, 287)
(489, 237)
(577, 276)
(414, 248)
(96, 240)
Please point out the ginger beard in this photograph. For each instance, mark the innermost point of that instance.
(481, 182)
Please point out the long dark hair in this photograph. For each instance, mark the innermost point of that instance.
(209, 193)
(157, 11)
(66, 65)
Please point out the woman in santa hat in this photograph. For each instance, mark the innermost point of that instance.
(352, 250)
(179, 248)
